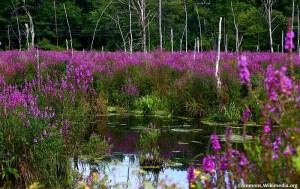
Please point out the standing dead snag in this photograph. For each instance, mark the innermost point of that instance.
(186, 20)
(71, 41)
(130, 29)
(200, 30)
(238, 41)
(159, 21)
(30, 28)
(268, 7)
(218, 60)
(98, 23)
(55, 21)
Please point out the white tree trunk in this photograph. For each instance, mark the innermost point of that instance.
(117, 21)
(172, 47)
(55, 22)
(159, 20)
(237, 40)
(98, 23)
(282, 37)
(268, 7)
(130, 25)
(218, 59)
(270, 30)
(293, 15)
(71, 41)
(8, 37)
(225, 38)
(298, 29)
(27, 36)
(143, 24)
(149, 37)
(200, 29)
(186, 27)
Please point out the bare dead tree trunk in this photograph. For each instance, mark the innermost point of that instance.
(225, 38)
(31, 26)
(198, 45)
(18, 25)
(298, 31)
(130, 25)
(70, 34)
(98, 23)
(27, 36)
(237, 40)
(282, 37)
(218, 59)
(8, 37)
(117, 21)
(149, 37)
(159, 20)
(55, 21)
(268, 7)
(172, 40)
(258, 46)
(186, 18)
(67, 45)
(180, 45)
(293, 15)
(200, 29)
(143, 23)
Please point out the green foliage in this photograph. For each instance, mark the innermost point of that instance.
(83, 16)
(96, 148)
(147, 104)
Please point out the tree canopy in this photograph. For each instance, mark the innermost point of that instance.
(113, 31)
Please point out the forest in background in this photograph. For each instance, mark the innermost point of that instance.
(114, 25)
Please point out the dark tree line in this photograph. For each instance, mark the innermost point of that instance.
(136, 24)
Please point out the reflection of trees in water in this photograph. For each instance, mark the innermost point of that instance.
(151, 176)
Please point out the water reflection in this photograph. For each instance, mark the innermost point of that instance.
(183, 141)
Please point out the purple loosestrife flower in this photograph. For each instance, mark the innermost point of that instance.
(224, 163)
(267, 128)
(289, 45)
(289, 150)
(190, 174)
(243, 69)
(215, 142)
(209, 164)
(244, 160)
(246, 115)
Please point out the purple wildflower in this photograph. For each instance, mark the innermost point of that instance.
(244, 160)
(209, 164)
(267, 128)
(289, 150)
(215, 142)
(190, 174)
(243, 69)
(224, 163)
(44, 132)
(289, 45)
(246, 115)
(35, 140)
(275, 156)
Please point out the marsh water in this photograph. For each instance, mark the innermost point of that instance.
(183, 141)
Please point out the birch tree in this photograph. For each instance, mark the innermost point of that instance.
(268, 8)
